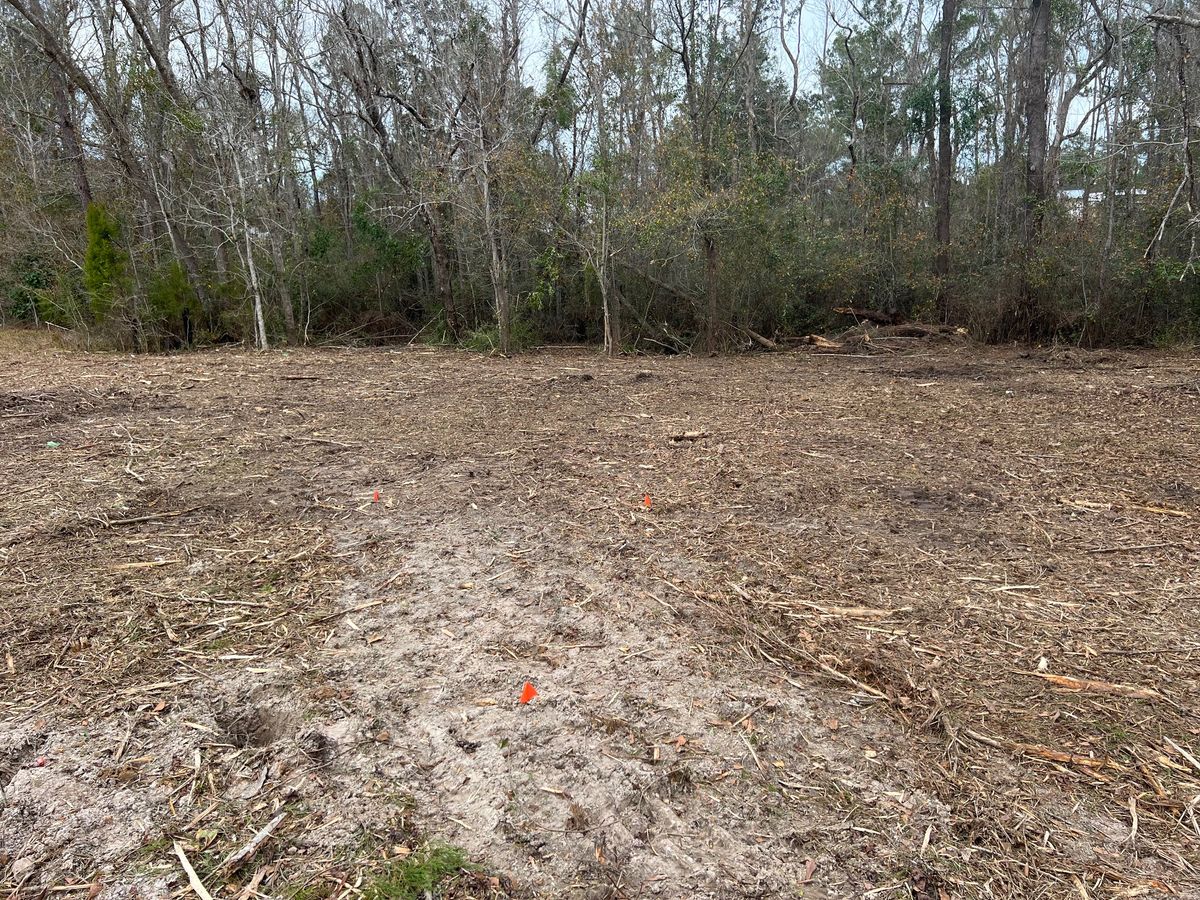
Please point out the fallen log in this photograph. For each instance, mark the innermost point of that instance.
(760, 340)
(822, 343)
(912, 330)
(867, 315)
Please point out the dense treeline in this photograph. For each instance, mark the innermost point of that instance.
(661, 173)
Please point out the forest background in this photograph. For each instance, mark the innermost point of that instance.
(659, 174)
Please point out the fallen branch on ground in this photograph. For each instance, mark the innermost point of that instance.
(867, 315)
(240, 856)
(822, 343)
(760, 340)
(193, 879)
(1098, 687)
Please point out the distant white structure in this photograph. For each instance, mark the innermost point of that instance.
(1072, 198)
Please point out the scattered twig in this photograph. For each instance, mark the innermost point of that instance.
(237, 858)
(1097, 687)
(1046, 753)
(193, 879)
(1133, 816)
(153, 517)
(344, 612)
(1185, 754)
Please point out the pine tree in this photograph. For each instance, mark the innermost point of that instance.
(105, 263)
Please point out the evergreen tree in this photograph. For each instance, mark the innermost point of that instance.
(105, 262)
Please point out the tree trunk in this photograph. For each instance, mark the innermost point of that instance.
(503, 310)
(612, 310)
(443, 275)
(498, 269)
(612, 319)
(1029, 318)
(945, 162)
(69, 136)
(281, 285)
(1036, 125)
(608, 297)
(711, 268)
(260, 325)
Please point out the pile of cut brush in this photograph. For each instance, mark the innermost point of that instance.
(872, 331)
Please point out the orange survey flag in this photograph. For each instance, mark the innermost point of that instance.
(528, 692)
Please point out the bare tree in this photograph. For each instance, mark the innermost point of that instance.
(945, 164)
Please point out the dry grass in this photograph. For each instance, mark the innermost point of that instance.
(995, 551)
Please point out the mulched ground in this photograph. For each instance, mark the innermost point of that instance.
(992, 551)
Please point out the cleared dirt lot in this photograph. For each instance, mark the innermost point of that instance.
(911, 624)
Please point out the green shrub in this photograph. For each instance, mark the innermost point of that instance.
(173, 308)
(523, 335)
(29, 275)
(105, 263)
(64, 302)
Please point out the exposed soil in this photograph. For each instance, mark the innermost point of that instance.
(915, 624)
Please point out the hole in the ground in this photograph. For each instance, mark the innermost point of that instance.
(255, 726)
